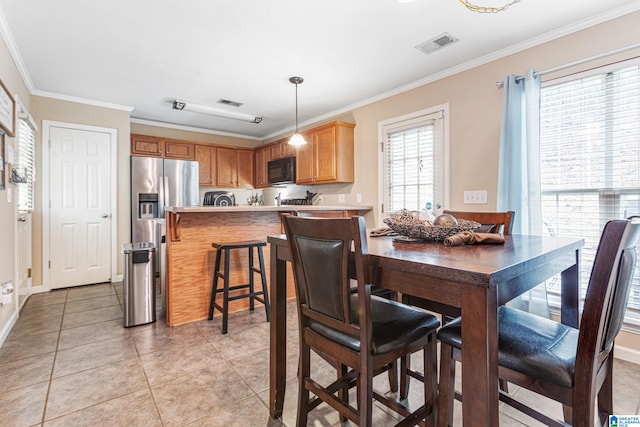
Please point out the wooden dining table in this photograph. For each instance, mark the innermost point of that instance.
(475, 278)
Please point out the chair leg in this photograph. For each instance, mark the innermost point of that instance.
(430, 360)
(304, 371)
(446, 385)
(343, 393)
(405, 366)
(605, 395)
(365, 405)
(393, 377)
(225, 302)
(214, 285)
(251, 281)
(263, 279)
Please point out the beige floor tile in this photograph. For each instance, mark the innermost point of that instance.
(248, 412)
(165, 365)
(199, 394)
(87, 388)
(27, 328)
(158, 337)
(93, 355)
(74, 306)
(31, 345)
(46, 298)
(25, 372)
(72, 320)
(95, 332)
(135, 409)
(23, 406)
(34, 312)
(237, 342)
(91, 291)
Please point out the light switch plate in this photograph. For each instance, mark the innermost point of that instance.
(340, 198)
(477, 197)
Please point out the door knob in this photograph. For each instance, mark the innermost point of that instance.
(22, 219)
(104, 215)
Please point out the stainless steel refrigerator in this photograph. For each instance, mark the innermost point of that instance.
(155, 184)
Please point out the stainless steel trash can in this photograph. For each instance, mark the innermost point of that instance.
(139, 283)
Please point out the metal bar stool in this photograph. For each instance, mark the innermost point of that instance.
(252, 294)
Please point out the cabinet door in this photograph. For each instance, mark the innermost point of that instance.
(179, 150)
(325, 152)
(147, 146)
(206, 157)
(286, 149)
(226, 173)
(304, 161)
(262, 157)
(244, 168)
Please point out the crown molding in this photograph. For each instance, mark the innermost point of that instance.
(192, 129)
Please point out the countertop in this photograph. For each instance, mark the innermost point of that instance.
(284, 208)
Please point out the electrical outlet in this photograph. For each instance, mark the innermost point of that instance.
(320, 198)
(358, 198)
(340, 198)
(478, 197)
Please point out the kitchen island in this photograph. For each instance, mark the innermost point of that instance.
(190, 256)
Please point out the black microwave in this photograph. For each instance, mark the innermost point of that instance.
(282, 171)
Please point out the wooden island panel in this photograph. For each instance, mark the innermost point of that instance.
(191, 258)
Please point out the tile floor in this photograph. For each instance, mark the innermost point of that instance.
(68, 362)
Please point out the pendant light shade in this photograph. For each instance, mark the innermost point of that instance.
(296, 138)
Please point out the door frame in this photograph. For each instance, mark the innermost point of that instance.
(46, 208)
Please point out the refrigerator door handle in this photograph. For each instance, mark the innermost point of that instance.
(166, 193)
(161, 196)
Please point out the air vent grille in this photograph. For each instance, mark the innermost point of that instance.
(229, 102)
(436, 43)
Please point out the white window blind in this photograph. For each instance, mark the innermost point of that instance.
(413, 158)
(25, 165)
(590, 160)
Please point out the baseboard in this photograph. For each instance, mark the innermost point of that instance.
(4, 333)
(628, 354)
(38, 289)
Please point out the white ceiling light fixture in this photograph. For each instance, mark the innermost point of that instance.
(205, 109)
(296, 138)
(487, 9)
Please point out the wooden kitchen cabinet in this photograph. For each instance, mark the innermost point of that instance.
(234, 167)
(281, 149)
(328, 155)
(205, 155)
(153, 146)
(262, 157)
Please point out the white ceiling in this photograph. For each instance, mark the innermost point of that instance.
(144, 54)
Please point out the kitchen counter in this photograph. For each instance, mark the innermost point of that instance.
(282, 208)
(190, 256)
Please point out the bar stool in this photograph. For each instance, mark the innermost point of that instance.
(252, 294)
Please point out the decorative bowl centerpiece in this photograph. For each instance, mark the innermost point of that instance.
(414, 225)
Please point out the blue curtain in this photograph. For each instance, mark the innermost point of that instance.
(519, 169)
(519, 166)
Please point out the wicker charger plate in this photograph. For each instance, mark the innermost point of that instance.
(412, 227)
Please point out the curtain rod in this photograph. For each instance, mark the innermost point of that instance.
(499, 85)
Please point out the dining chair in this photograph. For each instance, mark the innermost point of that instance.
(364, 333)
(571, 366)
(491, 222)
(375, 290)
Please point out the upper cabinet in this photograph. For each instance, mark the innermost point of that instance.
(262, 157)
(328, 155)
(234, 167)
(206, 157)
(153, 146)
(281, 149)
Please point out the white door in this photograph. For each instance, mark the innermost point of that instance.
(80, 207)
(23, 256)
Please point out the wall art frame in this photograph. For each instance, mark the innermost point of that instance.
(7, 111)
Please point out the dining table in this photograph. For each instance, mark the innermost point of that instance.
(475, 278)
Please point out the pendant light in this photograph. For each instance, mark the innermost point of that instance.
(296, 138)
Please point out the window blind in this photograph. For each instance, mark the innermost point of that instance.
(25, 165)
(590, 160)
(410, 168)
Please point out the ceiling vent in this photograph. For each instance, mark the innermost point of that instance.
(436, 43)
(229, 102)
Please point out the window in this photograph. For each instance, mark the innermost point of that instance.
(413, 152)
(25, 164)
(590, 159)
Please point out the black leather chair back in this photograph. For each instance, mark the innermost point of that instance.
(321, 250)
(609, 286)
